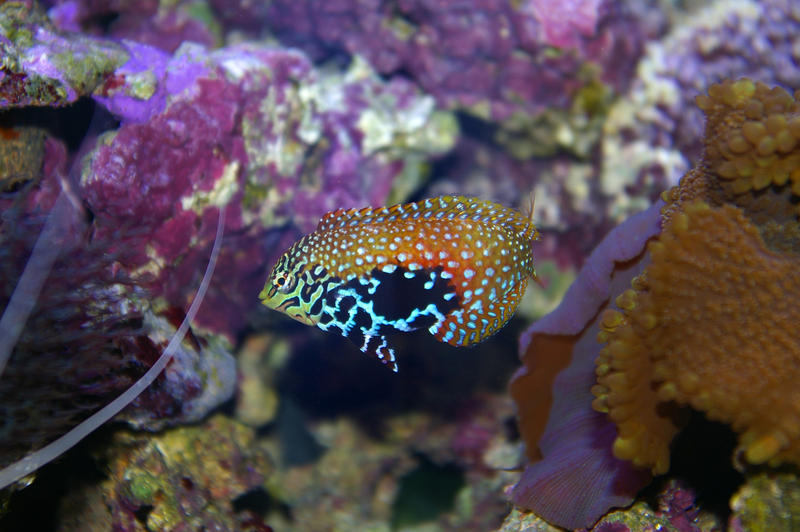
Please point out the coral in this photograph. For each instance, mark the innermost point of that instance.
(185, 478)
(40, 65)
(362, 483)
(352, 484)
(200, 377)
(257, 128)
(752, 133)
(91, 334)
(250, 127)
(518, 520)
(573, 479)
(653, 135)
(691, 330)
(689, 325)
(676, 511)
(81, 329)
(768, 501)
(639, 143)
(137, 91)
(493, 59)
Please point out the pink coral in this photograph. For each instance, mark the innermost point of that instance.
(492, 58)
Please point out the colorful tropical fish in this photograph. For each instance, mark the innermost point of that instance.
(457, 266)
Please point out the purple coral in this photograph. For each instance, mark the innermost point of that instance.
(493, 58)
(653, 135)
(163, 25)
(252, 126)
(577, 478)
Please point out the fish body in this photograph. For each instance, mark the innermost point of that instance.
(455, 265)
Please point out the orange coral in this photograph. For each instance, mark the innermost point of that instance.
(712, 322)
(751, 135)
(752, 152)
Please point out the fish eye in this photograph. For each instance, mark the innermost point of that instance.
(283, 282)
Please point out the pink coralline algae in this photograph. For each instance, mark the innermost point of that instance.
(653, 135)
(40, 65)
(91, 334)
(494, 59)
(256, 128)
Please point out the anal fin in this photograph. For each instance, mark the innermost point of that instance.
(470, 325)
(374, 345)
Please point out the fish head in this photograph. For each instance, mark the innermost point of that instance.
(291, 289)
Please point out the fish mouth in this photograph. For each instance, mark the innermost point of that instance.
(267, 293)
(288, 306)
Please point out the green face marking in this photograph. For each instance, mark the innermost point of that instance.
(294, 290)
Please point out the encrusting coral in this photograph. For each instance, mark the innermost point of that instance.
(693, 330)
(693, 302)
(712, 322)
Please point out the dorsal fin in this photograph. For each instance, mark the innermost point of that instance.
(341, 217)
(442, 207)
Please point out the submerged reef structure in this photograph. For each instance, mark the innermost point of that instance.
(163, 25)
(186, 477)
(653, 135)
(703, 316)
(261, 129)
(691, 330)
(40, 65)
(250, 128)
(90, 339)
(154, 120)
(496, 60)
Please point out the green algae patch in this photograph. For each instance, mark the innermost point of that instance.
(44, 66)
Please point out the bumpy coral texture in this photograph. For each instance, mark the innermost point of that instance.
(654, 135)
(493, 59)
(751, 155)
(711, 323)
(751, 136)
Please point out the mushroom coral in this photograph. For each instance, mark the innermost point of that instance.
(712, 322)
(573, 478)
(695, 307)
